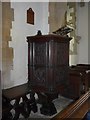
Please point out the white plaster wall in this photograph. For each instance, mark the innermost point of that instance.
(82, 30)
(20, 30)
(72, 59)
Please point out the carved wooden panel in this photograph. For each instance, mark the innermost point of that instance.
(62, 54)
(48, 62)
(39, 75)
(61, 75)
(40, 52)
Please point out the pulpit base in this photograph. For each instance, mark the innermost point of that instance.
(48, 107)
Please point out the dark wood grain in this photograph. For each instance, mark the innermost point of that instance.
(23, 107)
(16, 92)
(77, 109)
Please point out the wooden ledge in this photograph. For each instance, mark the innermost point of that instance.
(15, 92)
(77, 109)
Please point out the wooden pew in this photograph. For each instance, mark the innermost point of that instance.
(24, 107)
(87, 67)
(84, 65)
(79, 81)
(76, 110)
(82, 68)
(6, 109)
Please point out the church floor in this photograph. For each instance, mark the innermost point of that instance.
(59, 103)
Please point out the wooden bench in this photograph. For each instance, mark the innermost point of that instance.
(84, 69)
(84, 65)
(23, 106)
(6, 107)
(81, 65)
(79, 81)
(76, 110)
